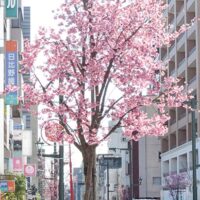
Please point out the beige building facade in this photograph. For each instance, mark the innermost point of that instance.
(184, 63)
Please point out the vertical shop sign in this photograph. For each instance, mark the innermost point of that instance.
(3, 186)
(11, 8)
(11, 71)
(11, 185)
(17, 164)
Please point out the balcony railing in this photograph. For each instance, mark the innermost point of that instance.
(172, 72)
(173, 172)
(166, 174)
(171, 47)
(180, 37)
(191, 51)
(164, 56)
(181, 115)
(172, 121)
(183, 170)
(181, 62)
(192, 80)
(180, 10)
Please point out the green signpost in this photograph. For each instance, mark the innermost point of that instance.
(11, 7)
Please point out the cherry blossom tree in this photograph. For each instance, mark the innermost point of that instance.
(177, 183)
(101, 64)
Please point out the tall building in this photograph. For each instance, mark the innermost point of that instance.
(18, 128)
(11, 44)
(184, 63)
(27, 23)
(3, 28)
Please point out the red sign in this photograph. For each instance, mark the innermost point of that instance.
(17, 164)
(11, 185)
(29, 170)
(11, 45)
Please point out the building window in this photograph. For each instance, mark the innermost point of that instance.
(17, 145)
(156, 180)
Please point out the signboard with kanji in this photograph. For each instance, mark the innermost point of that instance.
(11, 185)
(17, 164)
(3, 186)
(7, 186)
(29, 170)
(112, 162)
(11, 71)
(11, 7)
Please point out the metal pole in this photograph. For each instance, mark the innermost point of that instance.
(70, 173)
(55, 173)
(61, 159)
(108, 180)
(61, 174)
(194, 162)
(52, 174)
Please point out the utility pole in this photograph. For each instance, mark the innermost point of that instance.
(61, 161)
(55, 175)
(108, 184)
(70, 174)
(194, 161)
(61, 174)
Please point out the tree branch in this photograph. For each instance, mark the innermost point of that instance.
(118, 123)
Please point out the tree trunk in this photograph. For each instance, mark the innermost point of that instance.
(89, 160)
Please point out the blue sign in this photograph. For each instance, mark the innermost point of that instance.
(3, 186)
(11, 76)
(17, 126)
(112, 162)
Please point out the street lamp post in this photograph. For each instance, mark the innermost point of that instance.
(59, 156)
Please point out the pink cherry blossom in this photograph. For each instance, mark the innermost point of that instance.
(101, 64)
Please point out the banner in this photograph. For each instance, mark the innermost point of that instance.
(7, 186)
(11, 185)
(11, 8)
(11, 71)
(29, 170)
(3, 186)
(17, 164)
(27, 143)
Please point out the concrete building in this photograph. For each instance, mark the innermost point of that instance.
(112, 169)
(184, 63)
(3, 28)
(18, 128)
(30, 120)
(26, 25)
(9, 112)
(78, 181)
(145, 168)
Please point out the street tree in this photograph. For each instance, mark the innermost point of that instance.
(101, 63)
(176, 184)
(20, 187)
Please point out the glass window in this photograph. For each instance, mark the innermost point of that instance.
(156, 180)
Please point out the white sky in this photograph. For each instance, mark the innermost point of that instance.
(41, 15)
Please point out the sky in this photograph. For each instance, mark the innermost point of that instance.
(41, 15)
